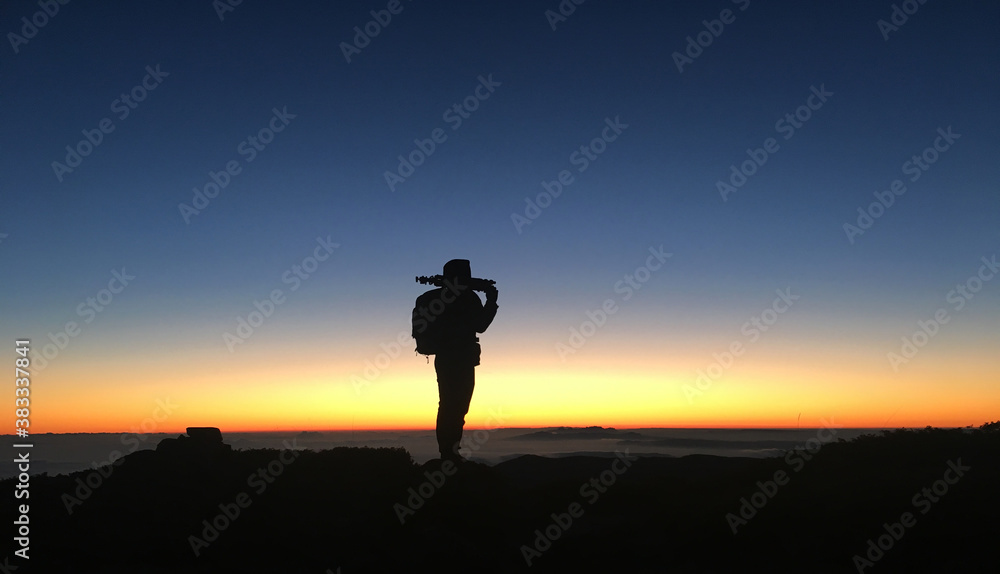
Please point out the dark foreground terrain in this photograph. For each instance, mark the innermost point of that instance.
(904, 501)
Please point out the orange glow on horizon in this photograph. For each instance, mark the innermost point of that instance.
(307, 390)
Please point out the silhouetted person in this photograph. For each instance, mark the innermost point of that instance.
(463, 316)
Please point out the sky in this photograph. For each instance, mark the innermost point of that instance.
(712, 214)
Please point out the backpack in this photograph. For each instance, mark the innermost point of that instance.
(427, 333)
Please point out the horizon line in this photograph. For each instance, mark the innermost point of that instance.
(431, 429)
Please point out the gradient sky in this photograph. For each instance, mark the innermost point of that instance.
(826, 357)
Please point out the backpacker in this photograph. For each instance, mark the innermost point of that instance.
(426, 331)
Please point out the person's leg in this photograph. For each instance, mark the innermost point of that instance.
(456, 383)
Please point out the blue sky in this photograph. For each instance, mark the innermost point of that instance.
(323, 175)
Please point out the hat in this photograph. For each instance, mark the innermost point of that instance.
(458, 268)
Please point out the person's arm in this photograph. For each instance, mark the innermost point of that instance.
(488, 311)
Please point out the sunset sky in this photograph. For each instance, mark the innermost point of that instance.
(154, 275)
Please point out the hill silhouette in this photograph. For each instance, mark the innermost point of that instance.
(196, 505)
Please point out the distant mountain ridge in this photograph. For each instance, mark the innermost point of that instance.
(577, 433)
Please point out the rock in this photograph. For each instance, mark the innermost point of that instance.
(207, 435)
(202, 443)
